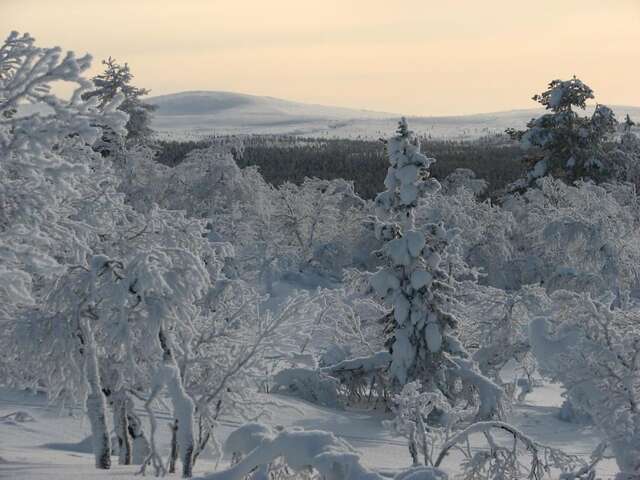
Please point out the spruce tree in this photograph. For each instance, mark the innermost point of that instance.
(421, 331)
(116, 79)
(572, 145)
(628, 124)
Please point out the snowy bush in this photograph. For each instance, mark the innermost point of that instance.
(463, 178)
(363, 378)
(255, 449)
(424, 418)
(594, 353)
(583, 237)
(309, 384)
(517, 456)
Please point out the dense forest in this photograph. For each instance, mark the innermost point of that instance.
(497, 159)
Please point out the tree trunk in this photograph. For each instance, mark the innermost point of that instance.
(413, 447)
(121, 427)
(96, 404)
(140, 444)
(174, 446)
(183, 407)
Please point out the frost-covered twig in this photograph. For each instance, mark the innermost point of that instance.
(506, 462)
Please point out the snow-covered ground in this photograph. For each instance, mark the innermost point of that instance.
(54, 445)
(191, 115)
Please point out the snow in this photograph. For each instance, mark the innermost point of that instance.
(420, 278)
(334, 459)
(407, 174)
(408, 193)
(383, 282)
(402, 308)
(246, 438)
(50, 447)
(433, 336)
(203, 113)
(398, 252)
(415, 242)
(369, 363)
(421, 473)
(308, 384)
(539, 169)
(548, 349)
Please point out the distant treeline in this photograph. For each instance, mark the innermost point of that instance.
(495, 159)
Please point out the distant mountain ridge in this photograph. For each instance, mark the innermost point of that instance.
(199, 102)
(201, 113)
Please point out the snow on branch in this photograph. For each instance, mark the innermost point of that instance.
(502, 461)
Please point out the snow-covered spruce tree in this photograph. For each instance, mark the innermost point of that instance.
(421, 328)
(116, 80)
(572, 146)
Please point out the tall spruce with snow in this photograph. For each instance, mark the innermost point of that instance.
(572, 146)
(116, 80)
(421, 330)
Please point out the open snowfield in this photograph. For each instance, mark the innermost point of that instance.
(54, 445)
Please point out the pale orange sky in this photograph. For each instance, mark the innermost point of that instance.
(417, 57)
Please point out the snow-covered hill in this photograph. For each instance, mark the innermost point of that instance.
(199, 113)
(205, 113)
(229, 103)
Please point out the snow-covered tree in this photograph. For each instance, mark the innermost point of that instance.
(463, 178)
(494, 327)
(116, 80)
(581, 238)
(594, 351)
(48, 174)
(412, 408)
(38, 178)
(482, 245)
(421, 327)
(628, 124)
(225, 361)
(319, 218)
(314, 228)
(625, 159)
(519, 457)
(573, 146)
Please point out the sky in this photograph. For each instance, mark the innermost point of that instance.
(415, 57)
